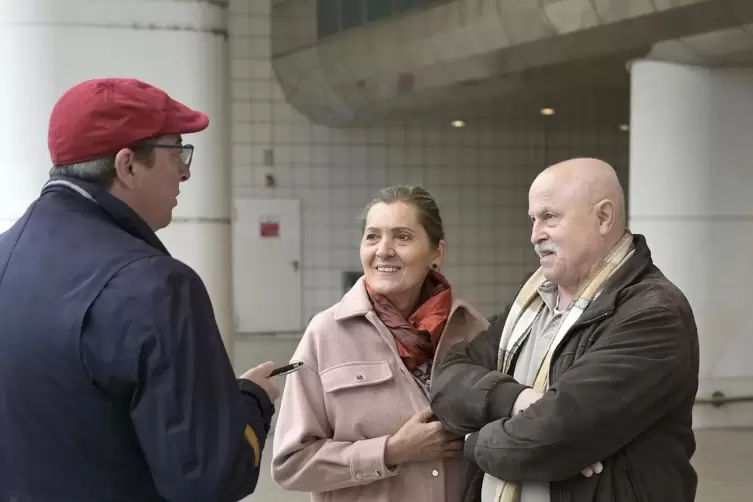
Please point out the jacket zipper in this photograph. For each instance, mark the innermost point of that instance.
(633, 492)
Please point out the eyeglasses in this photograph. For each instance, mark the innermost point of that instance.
(186, 151)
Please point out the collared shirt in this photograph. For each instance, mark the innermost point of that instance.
(532, 354)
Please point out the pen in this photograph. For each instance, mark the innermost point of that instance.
(288, 368)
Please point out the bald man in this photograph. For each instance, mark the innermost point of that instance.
(583, 389)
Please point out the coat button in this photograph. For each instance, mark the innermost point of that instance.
(378, 473)
(435, 473)
(359, 475)
(359, 377)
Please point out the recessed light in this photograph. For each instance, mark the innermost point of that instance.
(547, 111)
(624, 127)
(458, 123)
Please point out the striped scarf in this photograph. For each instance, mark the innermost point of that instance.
(526, 308)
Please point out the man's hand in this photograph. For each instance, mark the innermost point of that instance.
(592, 469)
(260, 376)
(530, 396)
(524, 400)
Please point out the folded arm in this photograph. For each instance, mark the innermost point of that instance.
(467, 390)
(632, 376)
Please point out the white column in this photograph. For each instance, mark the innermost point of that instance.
(691, 195)
(47, 46)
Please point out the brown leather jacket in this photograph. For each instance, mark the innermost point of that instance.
(623, 383)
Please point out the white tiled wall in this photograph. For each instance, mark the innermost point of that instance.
(479, 178)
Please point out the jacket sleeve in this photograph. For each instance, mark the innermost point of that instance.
(201, 430)
(467, 390)
(633, 375)
(305, 457)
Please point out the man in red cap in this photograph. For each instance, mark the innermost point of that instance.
(114, 382)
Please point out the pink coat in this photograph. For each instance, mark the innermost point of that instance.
(353, 393)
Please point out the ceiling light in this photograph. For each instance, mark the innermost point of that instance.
(547, 111)
(458, 123)
(624, 127)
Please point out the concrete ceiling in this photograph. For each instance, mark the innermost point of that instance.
(575, 62)
(592, 92)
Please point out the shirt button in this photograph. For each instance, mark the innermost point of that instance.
(378, 472)
(359, 475)
(435, 473)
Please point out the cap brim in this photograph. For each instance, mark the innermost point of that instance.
(183, 120)
(197, 122)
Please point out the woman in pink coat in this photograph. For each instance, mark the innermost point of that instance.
(354, 423)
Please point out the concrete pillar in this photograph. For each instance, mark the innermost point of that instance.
(46, 46)
(691, 194)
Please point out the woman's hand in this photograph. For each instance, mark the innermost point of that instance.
(420, 439)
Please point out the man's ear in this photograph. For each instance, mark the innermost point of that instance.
(124, 168)
(606, 212)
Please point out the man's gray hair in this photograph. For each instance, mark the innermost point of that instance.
(99, 171)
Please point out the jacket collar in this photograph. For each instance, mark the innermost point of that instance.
(356, 303)
(118, 211)
(628, 274)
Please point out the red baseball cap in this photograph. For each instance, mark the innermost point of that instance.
(102, 116)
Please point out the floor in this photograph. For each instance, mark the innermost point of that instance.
(723, 462)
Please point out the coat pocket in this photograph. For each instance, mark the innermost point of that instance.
(355, 374)
(361, 400)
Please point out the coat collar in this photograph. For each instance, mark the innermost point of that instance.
(356, 303)
(118, 211)
(628, 274)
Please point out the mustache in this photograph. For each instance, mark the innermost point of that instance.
(546, 246)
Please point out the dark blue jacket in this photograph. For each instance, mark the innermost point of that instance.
(114, 382)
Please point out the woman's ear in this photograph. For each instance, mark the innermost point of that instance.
(438, 255)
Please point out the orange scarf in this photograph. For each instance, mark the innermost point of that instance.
(418, 336)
